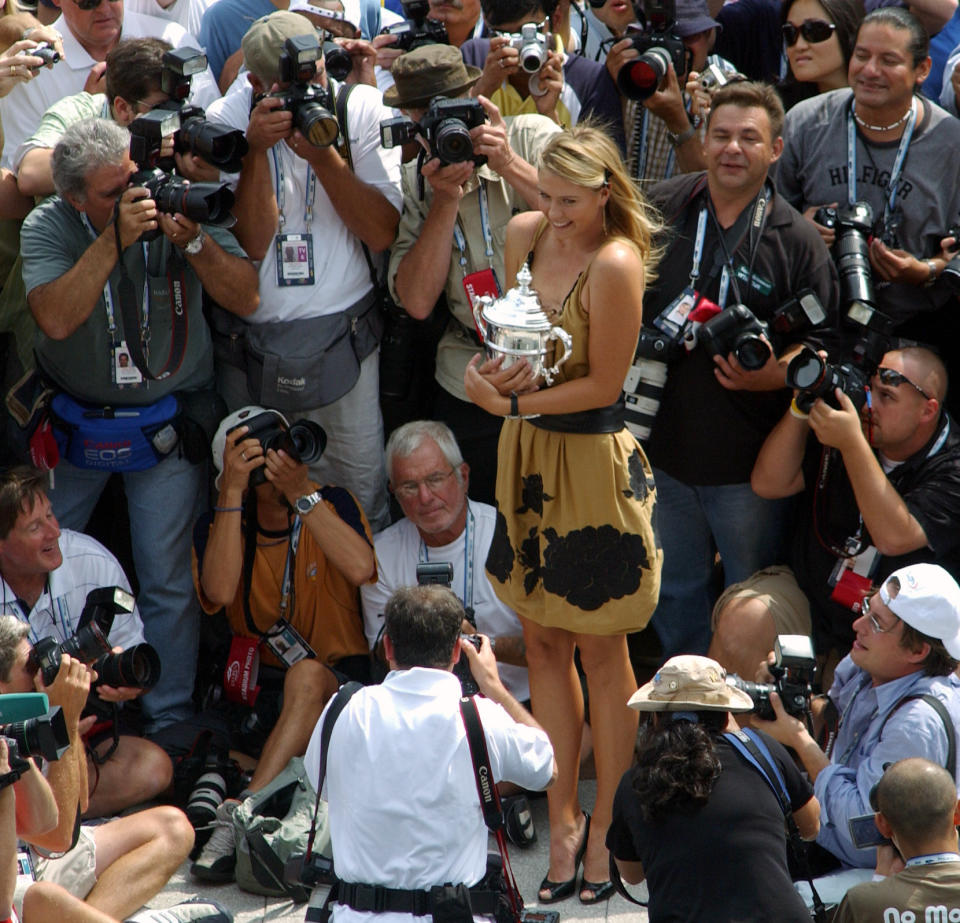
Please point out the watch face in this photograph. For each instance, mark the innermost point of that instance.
(305, 504)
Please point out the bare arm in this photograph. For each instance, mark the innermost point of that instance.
(8, 839)
(807, 819)
(778, 470)
(13, 204)
(35, 176)
(36, 807)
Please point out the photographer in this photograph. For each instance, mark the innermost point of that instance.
(453, 234)
(880, 489)
(308, 216)
(882, 143)
(732, 239)
(906, 649)
(696, 809)
(85, 265)
(293, 600)
(405, 740)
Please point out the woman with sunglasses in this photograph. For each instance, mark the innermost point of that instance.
(818, 37)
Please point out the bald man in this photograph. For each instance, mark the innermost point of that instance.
(880, 489)
(916, 805)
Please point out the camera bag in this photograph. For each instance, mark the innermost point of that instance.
(273, 825)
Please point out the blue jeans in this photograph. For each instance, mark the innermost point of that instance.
(163, 502)
(695, 523)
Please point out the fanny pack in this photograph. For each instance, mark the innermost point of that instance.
(114, 438)
(296, 365)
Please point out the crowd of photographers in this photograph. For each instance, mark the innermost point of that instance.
(268, 257)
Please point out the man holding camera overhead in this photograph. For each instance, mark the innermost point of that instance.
(452, 232)
(312, 206)
(97, 289)
(880, 489)
(893, 696)
(736, 250)
(283, 558)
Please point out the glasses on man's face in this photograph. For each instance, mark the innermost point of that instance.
(874, 623)
(433, 482)
(894, 379)
(91, 4)
(812, 30)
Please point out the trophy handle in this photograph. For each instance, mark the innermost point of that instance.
(558, 333)
(478, 305)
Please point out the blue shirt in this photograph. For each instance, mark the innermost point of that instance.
(859, 755)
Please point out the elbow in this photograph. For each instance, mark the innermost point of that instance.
(418, 308)
(895, 545)
(216, 594)
(31, 183)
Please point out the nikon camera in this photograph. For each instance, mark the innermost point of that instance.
(659, 47)
(446, 127)
(311, 105)
(417, 30)
(793, 670)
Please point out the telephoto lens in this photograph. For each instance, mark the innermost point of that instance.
(207, 795)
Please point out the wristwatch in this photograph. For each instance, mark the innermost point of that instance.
(195, 245)
(683, 137)
(307, 502)
(932, 273)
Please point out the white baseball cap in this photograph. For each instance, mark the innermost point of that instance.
(928, 599)
(237, 418)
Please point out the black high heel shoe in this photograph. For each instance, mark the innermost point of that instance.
(560, 890)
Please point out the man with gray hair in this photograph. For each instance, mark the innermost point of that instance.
(108, 273)
(916, 810)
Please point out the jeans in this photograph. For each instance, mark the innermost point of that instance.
(695, 523)
(164, 503)
(354, 455)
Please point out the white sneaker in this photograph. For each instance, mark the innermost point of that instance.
(218, 858)
(197, 910)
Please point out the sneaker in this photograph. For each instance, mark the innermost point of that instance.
(218, 858)
(197, 910)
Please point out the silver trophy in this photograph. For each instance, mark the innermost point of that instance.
(515, 327)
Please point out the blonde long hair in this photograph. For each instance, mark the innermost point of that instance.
(587, 156)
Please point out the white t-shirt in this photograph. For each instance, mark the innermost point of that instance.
(86, 566)
(186, 13)
(341, 276)
(22, 109)
(399, 549)
(402, 794)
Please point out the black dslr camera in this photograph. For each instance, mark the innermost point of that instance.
(446, 127)
(337, 60)
(138, 666)
(223, 147)
(853, 226)
(304, 441)
(416, 30)
(37, 730)
(736, 330)
(206, 203)
(659, 47)
(793, 672)
(311, 106)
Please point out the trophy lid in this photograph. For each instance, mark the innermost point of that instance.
(519, 307)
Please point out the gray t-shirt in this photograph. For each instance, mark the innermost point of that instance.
(813, 171)
(53, 238)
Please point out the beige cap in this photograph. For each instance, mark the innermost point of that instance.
(690, 683)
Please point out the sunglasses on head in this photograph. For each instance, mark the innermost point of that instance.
(812, 30)
(90, 4)
(894, 378)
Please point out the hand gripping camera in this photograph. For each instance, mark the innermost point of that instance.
(736, 330)
(416, 30)
(659, 47)
(138, 666)
(206, 203)
(311, 106)
(531, 44)
(446, 127)
(32, 728)
(223, 147)
(851, 251)
(793, 671)
(304, 441)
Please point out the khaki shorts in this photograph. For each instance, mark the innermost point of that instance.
(76, 870)
(777, 588)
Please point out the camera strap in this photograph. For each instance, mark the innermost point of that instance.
(287, 598)
(944, 715)
(469, 539)
(893, 184)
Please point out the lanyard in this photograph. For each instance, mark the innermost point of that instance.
(310, 192)
(932, 858)
(468, 540)
(893, 184)
(286, 589)
(460, 240)
(698, 256)
(57, 607)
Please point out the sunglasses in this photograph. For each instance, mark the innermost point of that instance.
(894, 378)
(812, 30)
(90, 4)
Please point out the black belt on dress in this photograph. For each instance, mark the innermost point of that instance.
(598, 420)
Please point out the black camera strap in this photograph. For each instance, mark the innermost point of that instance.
(250, 530)
(135, 322)
(941, 710)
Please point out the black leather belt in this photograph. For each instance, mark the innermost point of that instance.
(598, 420)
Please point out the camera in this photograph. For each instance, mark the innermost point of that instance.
(210, 790)
(659, 47)
(440, 573)
(853, 226)
(531, 43)
(714, 77)
(736, 330)
(461, 669)
(951, 272)
(646, 379)
(416, 30)
(309, 871)
(337, 60)
(206, 203)
(793, 671)
(446, 127)
(38, 729)
(813, 377)
(223, 147)
(44, 50)
(138, 666)
(303, 440)
(310, 105)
